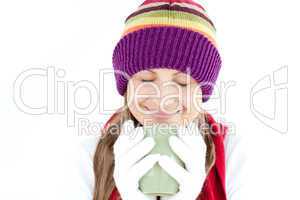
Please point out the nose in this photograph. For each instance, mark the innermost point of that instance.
(166, 101)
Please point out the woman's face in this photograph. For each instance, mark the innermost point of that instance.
(163, 96)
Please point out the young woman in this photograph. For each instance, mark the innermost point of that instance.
(166, 64)
(183, 112)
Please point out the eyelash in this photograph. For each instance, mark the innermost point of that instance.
(143, 80)
(181, 84)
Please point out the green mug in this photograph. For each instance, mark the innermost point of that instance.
(157, 181)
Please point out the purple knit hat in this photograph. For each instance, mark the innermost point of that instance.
(174, 34)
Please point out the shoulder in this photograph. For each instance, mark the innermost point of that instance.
(85, 151)
(232, 156)
(235, 146)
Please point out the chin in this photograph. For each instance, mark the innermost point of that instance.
(165, 120)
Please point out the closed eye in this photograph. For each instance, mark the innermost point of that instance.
(182, 84)
(144, 80)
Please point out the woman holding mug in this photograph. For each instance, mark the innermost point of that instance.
(166, 64)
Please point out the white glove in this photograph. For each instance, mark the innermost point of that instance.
(191, 149)
(129, 148)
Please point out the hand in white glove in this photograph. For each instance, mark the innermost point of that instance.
(191, 149)
(129, 149)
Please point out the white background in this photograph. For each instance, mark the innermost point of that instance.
(40, 155)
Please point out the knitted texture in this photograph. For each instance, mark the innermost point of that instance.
(174, 34)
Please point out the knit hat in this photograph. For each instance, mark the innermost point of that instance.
(174, 34)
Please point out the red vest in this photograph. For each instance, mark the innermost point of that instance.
(214, 185)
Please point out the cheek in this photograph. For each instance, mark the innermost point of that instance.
(197, 99)
(192, 100)
(143, 88)
(135, 101)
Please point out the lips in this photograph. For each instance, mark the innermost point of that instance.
(161, 114)
(164, 114)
